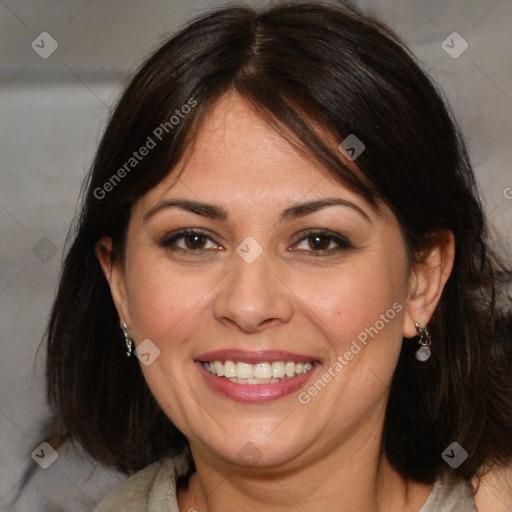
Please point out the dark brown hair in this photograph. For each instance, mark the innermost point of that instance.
(302, 66)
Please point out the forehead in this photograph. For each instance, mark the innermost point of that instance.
(236, 153)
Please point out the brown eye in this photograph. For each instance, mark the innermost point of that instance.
(322, 242)
(319, 243)
(195, 241)
(190, 240)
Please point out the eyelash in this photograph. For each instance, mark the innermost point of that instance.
(341, 242)
(168, 243)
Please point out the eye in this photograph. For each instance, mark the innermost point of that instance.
(190, 240)
(322, 242)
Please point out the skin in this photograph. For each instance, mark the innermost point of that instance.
(495, 490)
(321, 456)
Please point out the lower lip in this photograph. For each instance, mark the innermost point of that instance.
(256, 392)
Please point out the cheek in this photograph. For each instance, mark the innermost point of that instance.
(167, 306)
(163, 301)
(360, 302)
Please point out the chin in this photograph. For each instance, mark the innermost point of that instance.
(257, 452)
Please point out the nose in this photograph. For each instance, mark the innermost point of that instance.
(253, 297)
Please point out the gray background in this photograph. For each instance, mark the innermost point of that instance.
(52, 113)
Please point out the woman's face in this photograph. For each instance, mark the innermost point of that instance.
(281, 270)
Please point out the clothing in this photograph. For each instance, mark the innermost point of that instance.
(74, 482)
(449, 495)
(154, 490)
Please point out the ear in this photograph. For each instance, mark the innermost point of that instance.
(427, 279)
(114, 274)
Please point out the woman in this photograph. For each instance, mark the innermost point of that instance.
(279, 295)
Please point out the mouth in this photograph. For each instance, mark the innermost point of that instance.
(256, 376)
(260, 373)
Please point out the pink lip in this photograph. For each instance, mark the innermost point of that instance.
(262, 356)
(256, 392)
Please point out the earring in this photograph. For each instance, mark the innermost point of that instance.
(424, 352)
(127, 340)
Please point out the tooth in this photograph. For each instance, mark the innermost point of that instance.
(219, 368)
(300, 368)
(289, 369)
(229, 369)
(253, 381)
(262, 371)
(244, 370)
(278, 370)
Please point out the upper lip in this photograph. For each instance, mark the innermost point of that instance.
(253, 357)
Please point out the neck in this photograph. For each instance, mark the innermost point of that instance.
(357, 478)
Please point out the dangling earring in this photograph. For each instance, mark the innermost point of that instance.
(424, 352)
(127, 340)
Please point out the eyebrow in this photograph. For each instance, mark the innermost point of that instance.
(303, 209)
(218, 213)
(205, 210)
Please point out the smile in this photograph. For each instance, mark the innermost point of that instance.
(259, 373)
(256, 376)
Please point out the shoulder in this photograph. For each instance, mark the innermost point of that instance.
(152, 489)
(450, 495)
